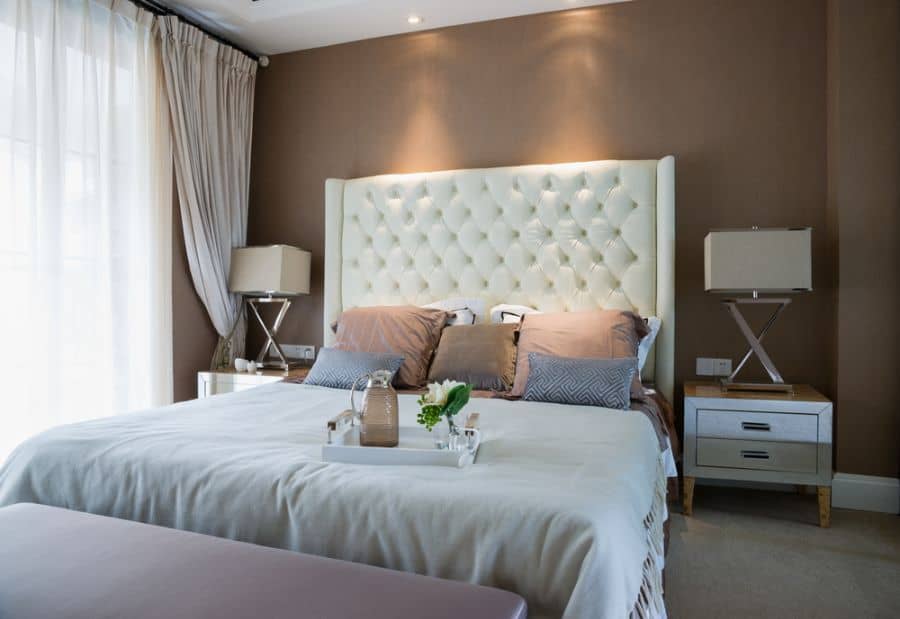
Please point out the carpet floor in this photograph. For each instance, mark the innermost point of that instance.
(752, 553)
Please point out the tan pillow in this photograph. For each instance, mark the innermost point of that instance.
(597, 334)
(482, 355)
(404, 329)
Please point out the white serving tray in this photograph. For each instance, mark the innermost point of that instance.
(416, 447)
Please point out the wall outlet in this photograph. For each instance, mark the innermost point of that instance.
(298, 351)
(707, 366)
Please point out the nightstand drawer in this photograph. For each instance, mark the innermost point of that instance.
(755, 426)
(757, 455)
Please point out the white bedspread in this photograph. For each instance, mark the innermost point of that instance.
(553, 508)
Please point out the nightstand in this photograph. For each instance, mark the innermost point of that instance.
(229, 380)
(757, 436)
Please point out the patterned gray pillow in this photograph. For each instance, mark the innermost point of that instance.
(339, 369)
(590, 382)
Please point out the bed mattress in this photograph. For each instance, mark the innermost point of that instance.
(563, 505)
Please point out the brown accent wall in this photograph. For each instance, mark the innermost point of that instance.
(193, 336)
(864, 213)
(735, 90)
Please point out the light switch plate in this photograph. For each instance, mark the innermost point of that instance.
(297, 351)
(722, 367)
(708, 366)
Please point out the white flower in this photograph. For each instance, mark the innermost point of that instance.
(437, 392)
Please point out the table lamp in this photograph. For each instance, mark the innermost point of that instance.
(754, 261)
(270, 274)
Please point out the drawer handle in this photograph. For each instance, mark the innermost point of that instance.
(755, 455)
(755, 425)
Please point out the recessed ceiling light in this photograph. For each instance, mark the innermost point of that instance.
(414, 20)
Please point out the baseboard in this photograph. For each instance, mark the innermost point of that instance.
(866, 492)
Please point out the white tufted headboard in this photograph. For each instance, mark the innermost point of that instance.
(555, 237)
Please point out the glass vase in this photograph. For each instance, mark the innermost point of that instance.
(448, 436)
(455, 441)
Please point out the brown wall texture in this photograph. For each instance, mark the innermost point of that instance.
(864, 211)
(735, 90)
(194, 337)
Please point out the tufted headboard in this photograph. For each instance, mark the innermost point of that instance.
(558, 237)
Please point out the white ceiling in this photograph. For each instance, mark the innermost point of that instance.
(276, 26)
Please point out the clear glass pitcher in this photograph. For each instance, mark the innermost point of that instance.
(379, 422)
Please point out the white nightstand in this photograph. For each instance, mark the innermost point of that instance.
(227, 381)
(758, 436)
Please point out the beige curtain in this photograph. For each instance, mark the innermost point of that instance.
(210, 91)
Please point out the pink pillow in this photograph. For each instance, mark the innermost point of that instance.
(406, 330)
(595, 334)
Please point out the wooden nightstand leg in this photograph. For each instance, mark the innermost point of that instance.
(688, 504)
(824, 506)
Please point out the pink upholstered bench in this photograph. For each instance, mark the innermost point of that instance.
(70, 565)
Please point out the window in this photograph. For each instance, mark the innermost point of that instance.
(85, 215)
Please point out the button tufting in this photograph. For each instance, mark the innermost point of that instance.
(514, 236)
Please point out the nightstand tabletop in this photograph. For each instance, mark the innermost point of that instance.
(295, 372)
(709, 389)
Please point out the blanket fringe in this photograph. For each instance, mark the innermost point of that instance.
(650, 604)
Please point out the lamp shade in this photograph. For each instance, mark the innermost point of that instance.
(278, 270)
(759, 259)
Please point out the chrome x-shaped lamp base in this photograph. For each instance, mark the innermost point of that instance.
(756, 346)
(271, 342)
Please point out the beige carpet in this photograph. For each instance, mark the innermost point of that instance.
(751, 553)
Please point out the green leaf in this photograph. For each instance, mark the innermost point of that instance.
(457, 399)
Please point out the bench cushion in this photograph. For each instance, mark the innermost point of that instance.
(71, 565)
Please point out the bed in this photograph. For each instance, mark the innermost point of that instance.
(564, 505)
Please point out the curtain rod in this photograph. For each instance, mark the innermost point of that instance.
(159, 9)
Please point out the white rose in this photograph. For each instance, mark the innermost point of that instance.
(436, 394)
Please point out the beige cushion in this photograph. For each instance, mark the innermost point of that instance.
(482, 355)
(597, 334)
(406, 330)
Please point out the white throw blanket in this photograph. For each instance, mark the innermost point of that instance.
(562, 504)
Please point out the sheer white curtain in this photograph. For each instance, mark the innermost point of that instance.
(85, 215)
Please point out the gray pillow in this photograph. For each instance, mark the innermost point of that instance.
(589, 382)
(339, 369)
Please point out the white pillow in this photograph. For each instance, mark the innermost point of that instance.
(506, 313)
(654, 323)
(466, 311)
